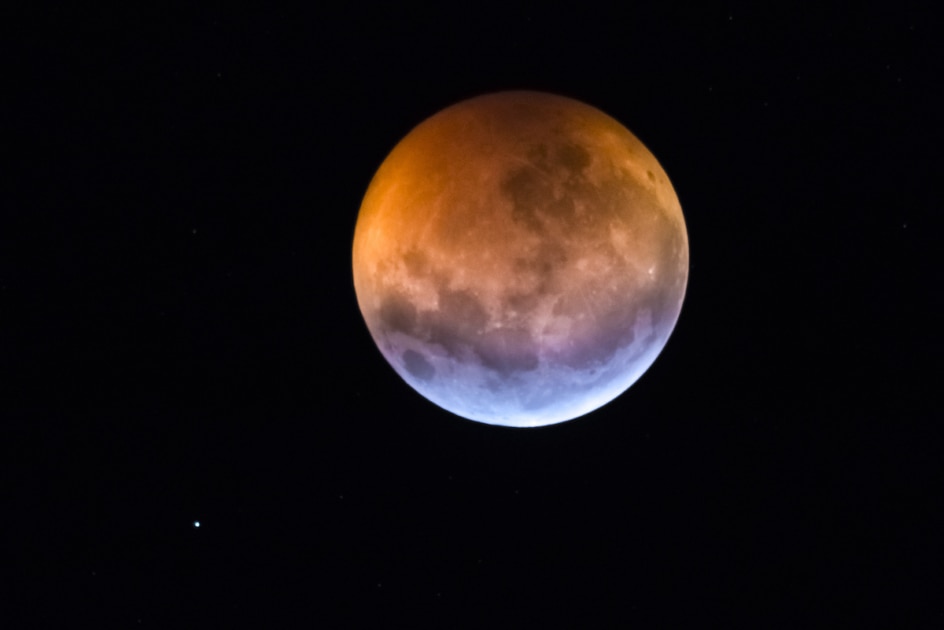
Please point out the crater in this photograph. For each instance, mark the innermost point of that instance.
(573, 157)
(417, 365)
(397, 313)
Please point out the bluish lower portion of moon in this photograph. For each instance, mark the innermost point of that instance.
(548, 392)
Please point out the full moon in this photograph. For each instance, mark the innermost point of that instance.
(520, 259)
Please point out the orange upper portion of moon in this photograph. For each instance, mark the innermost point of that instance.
(547, 217)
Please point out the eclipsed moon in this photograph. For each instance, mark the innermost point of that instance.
(520, 259)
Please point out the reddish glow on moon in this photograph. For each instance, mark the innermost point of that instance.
(520, 258)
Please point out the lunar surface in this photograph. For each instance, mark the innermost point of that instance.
(520, 259)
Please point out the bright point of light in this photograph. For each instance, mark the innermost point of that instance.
(196, 524)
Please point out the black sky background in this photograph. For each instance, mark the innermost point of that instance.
(183, 343)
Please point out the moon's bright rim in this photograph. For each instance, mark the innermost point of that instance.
(520, 258)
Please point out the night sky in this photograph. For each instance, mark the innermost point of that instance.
(181, 341)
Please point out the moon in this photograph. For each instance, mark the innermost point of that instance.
(520, 259)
